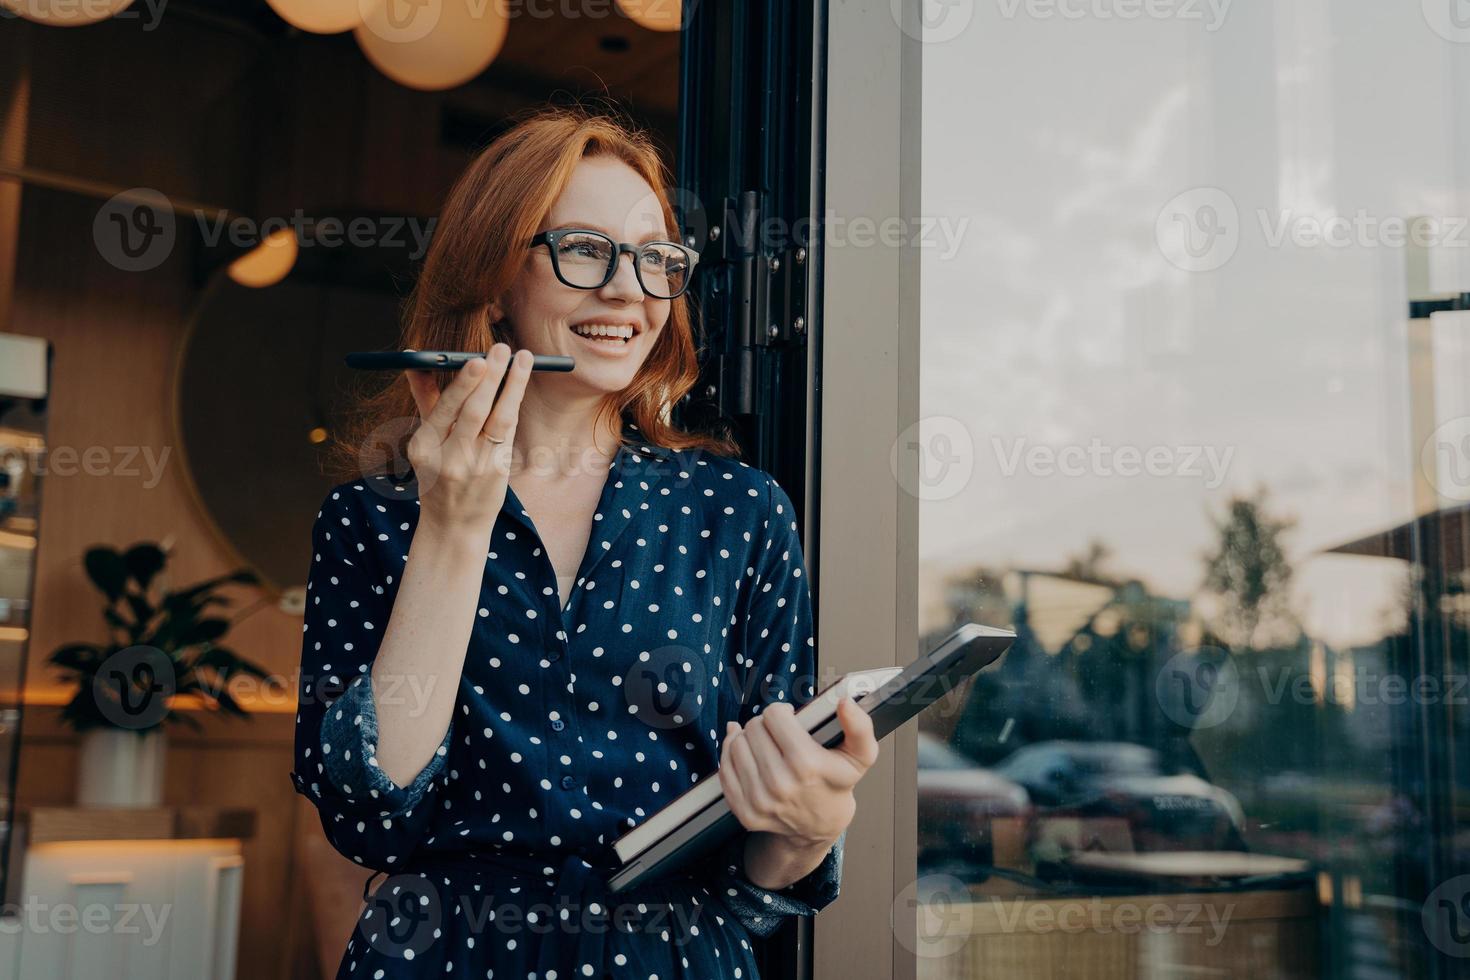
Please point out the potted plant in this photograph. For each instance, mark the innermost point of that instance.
(160, 645)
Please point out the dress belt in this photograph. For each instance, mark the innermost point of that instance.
(570, 940)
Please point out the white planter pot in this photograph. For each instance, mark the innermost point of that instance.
(120, 767)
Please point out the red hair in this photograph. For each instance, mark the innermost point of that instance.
(479, 248)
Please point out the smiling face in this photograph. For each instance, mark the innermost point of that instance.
(604, 194)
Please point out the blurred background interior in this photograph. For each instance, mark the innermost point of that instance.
(174, 403)
(1236, 705)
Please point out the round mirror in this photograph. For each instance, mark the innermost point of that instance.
(260, 386)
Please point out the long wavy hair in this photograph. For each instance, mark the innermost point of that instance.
(477, 251)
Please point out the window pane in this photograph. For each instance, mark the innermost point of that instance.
(1196, 401)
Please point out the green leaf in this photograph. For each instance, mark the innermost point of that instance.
(204, 631)
(229, 662)
(84, 658)
(227, 703)
(142, 610)
(184, 718)
(115, 620)
(107, 571)
(241, 576)
(143, 561)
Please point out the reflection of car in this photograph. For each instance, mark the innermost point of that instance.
(957, 801)
(1165, 811)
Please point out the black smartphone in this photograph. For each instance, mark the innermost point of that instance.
(440, 360)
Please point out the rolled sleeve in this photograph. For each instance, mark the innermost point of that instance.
(349, 752)
(762, 910)
(778, 663)
(365, 816)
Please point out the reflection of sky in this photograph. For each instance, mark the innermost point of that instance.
(1060, 321)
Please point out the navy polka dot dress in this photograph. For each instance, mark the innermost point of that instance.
(573, 723)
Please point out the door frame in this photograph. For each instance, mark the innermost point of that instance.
(809, 109)
(867, 369)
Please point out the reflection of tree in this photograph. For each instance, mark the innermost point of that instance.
(1088, 565)
(1250, 573)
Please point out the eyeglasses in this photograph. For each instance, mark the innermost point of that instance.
(587, 259)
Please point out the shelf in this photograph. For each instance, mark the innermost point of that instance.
(51, 824)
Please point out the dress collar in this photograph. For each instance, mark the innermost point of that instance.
(633, 438)
(635, 471)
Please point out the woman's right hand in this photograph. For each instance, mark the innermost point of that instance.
(462, 476)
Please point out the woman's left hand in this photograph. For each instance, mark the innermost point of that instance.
(780, 780)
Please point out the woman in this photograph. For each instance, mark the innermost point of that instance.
(569, 613)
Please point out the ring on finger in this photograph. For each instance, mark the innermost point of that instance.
(491, 439)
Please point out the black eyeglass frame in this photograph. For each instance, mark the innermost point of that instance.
(550, 239)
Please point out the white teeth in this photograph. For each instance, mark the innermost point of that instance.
(607, 330)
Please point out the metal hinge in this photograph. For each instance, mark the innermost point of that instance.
(769, 287)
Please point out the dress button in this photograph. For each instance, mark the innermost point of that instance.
(553, 655)
(567, 782)
(557, 724)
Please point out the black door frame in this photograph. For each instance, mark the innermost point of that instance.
(749, 187)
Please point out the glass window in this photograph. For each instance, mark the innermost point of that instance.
(1196, 424)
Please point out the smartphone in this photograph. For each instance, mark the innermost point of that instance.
(440, 360)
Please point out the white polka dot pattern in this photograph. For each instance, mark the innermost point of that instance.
(571, 724)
